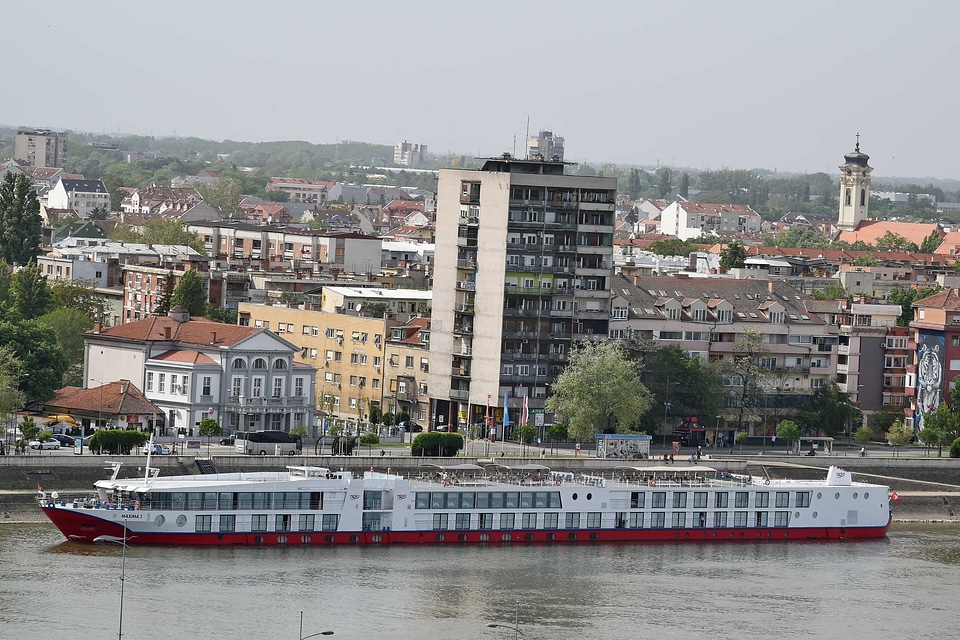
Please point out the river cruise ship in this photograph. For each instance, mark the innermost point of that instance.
(493, 504)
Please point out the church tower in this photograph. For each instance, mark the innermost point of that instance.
(854, 189)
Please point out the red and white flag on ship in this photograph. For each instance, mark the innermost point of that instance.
(894, 496)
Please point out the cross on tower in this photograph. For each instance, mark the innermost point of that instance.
(857, 149)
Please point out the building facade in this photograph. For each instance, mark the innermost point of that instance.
(524, 257)
(41, 147)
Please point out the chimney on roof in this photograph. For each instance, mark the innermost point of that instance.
(123, 388)
(770, 287)
(214, 337)
(97, 327)
(166, 333)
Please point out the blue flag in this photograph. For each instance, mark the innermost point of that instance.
(506, 410)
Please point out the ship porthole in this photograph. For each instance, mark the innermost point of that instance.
(814, 514)
(796, 515)
(866, 495)
(855, 495)
(576, 496)
(159, 520)
(181, 520)
(836, 496)
(281, 539)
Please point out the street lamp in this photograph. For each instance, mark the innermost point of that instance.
(312, 635)
(516, 624)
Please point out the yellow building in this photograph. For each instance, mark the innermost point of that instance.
(346, 348)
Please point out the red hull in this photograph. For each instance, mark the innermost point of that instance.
(83, 527)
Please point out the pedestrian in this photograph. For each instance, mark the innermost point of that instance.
(3, 450)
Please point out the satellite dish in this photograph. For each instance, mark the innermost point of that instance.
(359, 306)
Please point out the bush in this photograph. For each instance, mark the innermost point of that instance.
(863, 435)
(955, 449)
(116, 441)
(343, 445)
(369, 439)
(437, 444)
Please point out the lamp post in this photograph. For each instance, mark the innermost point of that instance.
(516, 624)
(312, 635)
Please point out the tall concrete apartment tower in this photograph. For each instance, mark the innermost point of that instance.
(524, 258)
(854, 189)
(41, 148)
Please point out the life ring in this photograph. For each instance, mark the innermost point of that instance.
(766, 481)
(558, 482)
(653, 483)
(446, 482)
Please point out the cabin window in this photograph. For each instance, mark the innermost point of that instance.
(507, 520)
(699, 519)
(307, 522)
(679, 520)
(593, 520)
(680, 500)
(573, 521)
(194, 501)
(244, 501)
(258, 522)
(422, 500)
(282, 522)
(700, 500)
(740, 518)
(440, 521)
(372, 499)
(637, 499)
(721, 500)
(783, 499)
(763, 500)
(742, 500)
(659, 499)
(371, 521)
(551, 520)
(203, 524)
(658, 520)
(529, 520)
(261, 500)
(636, 520)
(803, 499)
(331, 521)
(463, 521)
(781, 519)
(761, 519)
(228, 524)
(720, 519)
(486, 519)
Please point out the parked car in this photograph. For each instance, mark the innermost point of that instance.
(158, 449)
(65, 441)
(49, 443)
(412, 427)
(229, 440)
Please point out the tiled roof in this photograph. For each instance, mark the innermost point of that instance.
(869, 231)
(198, 331)
(83, 186)
(185, 357)
(948, 299)
(120, 397)
(705, 208)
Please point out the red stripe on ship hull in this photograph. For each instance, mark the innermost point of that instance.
(84, 527)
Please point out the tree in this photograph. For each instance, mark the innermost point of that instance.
(29, 429)
(634, 184)
(931, 243)
(79, 295)
(69, 325)
(166, 295)
(898, 435)
(863, 435)
(664, 182)
(159, 230)
(31, 295)
(684, 189)
(739, 438)
(209, 427)
(883, 419)
(20, 221)
(745, 365)
(299, 431)
(526, 434)
(833, 291)
(788, 430)
(939, 428)
(891, 241)
(599, 389)
(225, 194)
(905, 298)
(693, 388)
(189, 293)
(733, 256)
(827, 411)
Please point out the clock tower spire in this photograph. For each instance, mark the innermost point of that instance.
(854, 189)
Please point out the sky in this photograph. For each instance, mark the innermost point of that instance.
(700, 84)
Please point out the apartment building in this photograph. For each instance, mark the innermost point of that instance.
(934, 344)
(524, 257)
(41, 147)
(689, 220)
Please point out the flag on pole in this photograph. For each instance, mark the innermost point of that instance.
(506, 410)
(525, 416)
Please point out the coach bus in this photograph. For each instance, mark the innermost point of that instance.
(267, 442)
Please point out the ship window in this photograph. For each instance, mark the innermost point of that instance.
(761, 519)
(659, 499)
(551, 520)
(781, 519)
(680, 500)
(783, 499)
(679, 520)
(637, 499)
(720, 519)
(228, 523)
(740, 518)
(721, 500)
(763, 499)
(331, 521)
(486, 520)
(699, 519)
(258, 522)
(282, 522)
(307, 522)
(573, 521)
(742, 499)
(203, 523)
(225, 502)
(194, 501)
(440, 521)
(658, 520)
(529, 520)
(636, 520)
(803, 499)
(463, 521)
(593, 520)
(423, 500)
(507, 520)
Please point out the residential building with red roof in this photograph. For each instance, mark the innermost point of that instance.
(194, 368)
(689, 220)
(935, 353)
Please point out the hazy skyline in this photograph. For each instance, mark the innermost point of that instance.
(707, 85)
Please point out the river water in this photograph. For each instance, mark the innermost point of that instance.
(904, 586)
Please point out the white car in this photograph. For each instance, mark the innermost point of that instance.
(49, 443)
(158, 449)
